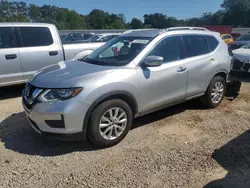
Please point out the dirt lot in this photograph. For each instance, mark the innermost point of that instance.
(182, 146)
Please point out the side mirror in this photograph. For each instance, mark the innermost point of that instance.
(153, 61)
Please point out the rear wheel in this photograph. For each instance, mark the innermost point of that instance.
(215, 92)
(110, 122)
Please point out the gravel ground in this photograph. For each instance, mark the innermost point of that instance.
(182, 146)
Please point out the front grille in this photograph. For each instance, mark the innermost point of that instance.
(246, 66)
(27, 94)
(237, 64)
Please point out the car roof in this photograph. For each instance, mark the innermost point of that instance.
(25, 24)
(151, 33)
(106, 34)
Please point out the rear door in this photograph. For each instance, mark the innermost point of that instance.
(10, 67)
(39, 48)
(201, 63)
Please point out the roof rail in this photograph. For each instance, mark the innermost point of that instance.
(186, 28)
(131, 30)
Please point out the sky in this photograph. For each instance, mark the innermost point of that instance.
(180, 9)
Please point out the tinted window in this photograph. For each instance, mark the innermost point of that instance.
(195, 45)
(244, 38)
(87, 36)
(107, 38)
(6, 37)
(36, 36)
(212, 43)
(226, 37)
(170, 49)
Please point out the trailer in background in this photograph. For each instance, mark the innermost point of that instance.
(222, 29)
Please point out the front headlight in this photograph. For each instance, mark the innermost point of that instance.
(59, 94)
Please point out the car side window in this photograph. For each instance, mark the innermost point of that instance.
(6, 38)
(36, 36)
(170, 49)
(195, 45)
(212, 43)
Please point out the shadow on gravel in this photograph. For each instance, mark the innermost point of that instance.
(235, 158)
(11, 92)
(17, 135)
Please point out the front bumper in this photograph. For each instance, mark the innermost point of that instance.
(238, 65)
(60, 118)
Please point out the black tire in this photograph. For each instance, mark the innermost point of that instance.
(207, 98)
(94, 134)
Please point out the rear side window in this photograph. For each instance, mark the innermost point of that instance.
(6, 37)
(35, 36)
(212, 43)
(195, 45)
(170, 49)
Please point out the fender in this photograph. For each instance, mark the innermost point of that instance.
(108, 96)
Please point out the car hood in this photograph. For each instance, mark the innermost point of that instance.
(241, 42)
(67, 74)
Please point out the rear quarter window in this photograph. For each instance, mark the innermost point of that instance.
(213, 43)
(195, 45)
(35, 36)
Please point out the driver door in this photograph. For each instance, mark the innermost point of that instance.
(166, 84)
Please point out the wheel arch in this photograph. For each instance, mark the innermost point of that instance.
(123, 95)
(222, 73)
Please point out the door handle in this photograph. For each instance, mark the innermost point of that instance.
(53, 53)
(181, 69)
(10, 56)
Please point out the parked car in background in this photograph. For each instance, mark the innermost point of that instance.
(227, 38)
(241, 59)
(99, 97)
(28, 47)
(235, 35)
(77, 38)
(241, 41)
(104, 37)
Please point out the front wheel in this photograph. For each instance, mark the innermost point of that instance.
(215, 92)
(110, 122)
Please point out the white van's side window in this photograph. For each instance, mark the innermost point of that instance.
(6, 37)
(36, 36)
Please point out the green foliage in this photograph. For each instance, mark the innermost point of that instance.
(234, 12)
(136, 24)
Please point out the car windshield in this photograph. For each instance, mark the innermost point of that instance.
(244, 38)
(94, 38)
(247, 46)
(118, 51)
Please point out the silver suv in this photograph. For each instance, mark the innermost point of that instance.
(98, 98)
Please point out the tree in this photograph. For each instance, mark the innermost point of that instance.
(136, 24)
(97, 19)
(236, 12)
(156, 20)
(34, 13)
